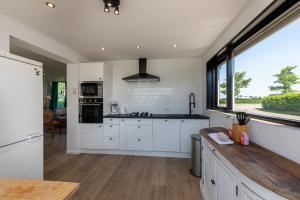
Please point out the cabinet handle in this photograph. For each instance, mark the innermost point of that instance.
(111, 119)
(213, 182)
(100, 126)
(166, 120)
(139, 126)
(123, 120)
(110, 126)
(182, 120)
(139, 140)
(139, 120)
(214, 150)
(110, 138)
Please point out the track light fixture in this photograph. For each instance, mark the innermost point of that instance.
(112, 4)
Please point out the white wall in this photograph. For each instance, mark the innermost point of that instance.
(179, 77)
(72, 108)
(281, 139)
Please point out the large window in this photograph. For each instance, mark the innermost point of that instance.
(265, 70)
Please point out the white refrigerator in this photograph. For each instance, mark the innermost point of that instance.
(21, 118)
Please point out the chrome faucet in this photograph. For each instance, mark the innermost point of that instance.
(192, 102)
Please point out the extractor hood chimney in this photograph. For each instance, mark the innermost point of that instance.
(142, 76)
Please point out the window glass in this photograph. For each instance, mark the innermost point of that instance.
(61, 95)
(267, 75)
(222, 85)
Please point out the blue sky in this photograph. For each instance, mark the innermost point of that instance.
(268, 57)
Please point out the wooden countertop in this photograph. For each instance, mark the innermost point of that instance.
(13, 189)
(263, 166)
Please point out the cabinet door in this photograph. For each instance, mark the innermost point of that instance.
(90, 71)
(90, 136)
(247, 194)
(226, 183)
(111, 142)
(209, 173)
(111, 130)
(166, 135)
(187, 128)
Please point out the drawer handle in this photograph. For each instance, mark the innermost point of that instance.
(214, 150)
(139, 140)
(139, 120)
(110, 138)
(139, 126)
(182, 120)
(100, 126)
(213, 182)
(166, 120)
(123, 120)
(110, 126)
(111, 119)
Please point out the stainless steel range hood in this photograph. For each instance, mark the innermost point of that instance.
(142, 76)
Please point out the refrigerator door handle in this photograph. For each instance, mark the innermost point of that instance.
(33, 137)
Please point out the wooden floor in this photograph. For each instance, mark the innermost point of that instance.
(114, 177)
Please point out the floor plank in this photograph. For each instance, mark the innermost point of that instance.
(118, 177)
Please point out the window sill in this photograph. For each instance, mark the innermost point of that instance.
(261, 119)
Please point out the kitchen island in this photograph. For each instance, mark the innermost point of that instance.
(15, 189)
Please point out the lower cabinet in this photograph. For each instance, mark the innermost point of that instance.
(110, 142)
(219, 182)
(187, 128)
(90, 136)
(139, 144)
(166, 135)
(247, 194)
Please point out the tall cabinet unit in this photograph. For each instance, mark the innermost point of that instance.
(98, 136)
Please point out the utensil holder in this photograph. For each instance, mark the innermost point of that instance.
(238, 130)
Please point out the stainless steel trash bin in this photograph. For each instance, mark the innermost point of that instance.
(196, 165)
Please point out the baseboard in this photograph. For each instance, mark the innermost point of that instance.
(137, 153)
(72, 152)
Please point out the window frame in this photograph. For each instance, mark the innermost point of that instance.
(259, 24)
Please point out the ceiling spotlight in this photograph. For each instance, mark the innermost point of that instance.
(138, 47)
(102, 48)
(50, 4)
(112, 4)
(106, 8)
(117, 11)
(174, 45)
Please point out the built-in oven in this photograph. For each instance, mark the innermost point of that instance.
(90, 110)
(91, 89)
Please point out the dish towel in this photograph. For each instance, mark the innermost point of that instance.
(214, 137)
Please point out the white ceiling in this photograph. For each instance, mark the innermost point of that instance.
(153, 24)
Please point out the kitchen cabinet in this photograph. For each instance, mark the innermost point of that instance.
(139, 144)
(111, 142)
(226, 183)
(209, 173)
(90, 136)
(112, 130)
(166, 135)
(247, 194)
(91, 71)
(187, 128)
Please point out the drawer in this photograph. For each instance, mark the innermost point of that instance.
(111, 121)
(111, 142)
(138, 131)
(137, 121)
(111, 130)
(139, 144)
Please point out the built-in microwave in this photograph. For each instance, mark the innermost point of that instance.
(91, 89)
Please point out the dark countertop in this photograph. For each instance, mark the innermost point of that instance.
(160, 116)
(261, 165)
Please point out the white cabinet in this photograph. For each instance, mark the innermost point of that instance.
(209, 173)
(139, 144)
(111, 142)
(166, 135)
(226, 183)
(187, 128)
(91, 71)
(90, 136)
(112, 130)
(247, 194)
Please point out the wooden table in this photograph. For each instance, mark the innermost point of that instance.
(13, 189)
(261, 165)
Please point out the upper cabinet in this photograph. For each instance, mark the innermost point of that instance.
(91, 71)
